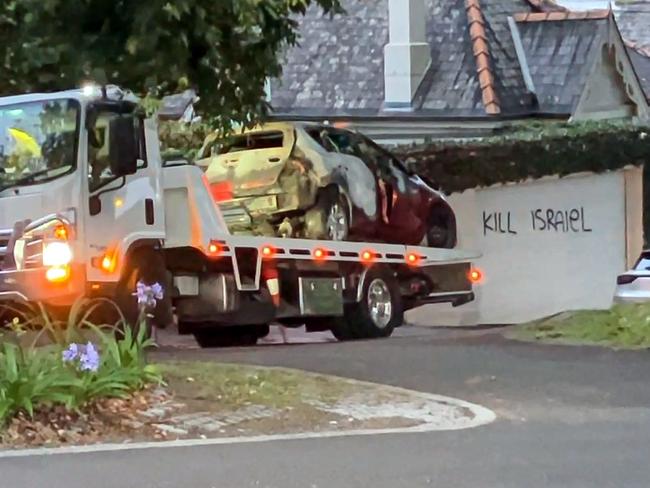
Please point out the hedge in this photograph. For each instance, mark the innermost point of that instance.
(533, 151)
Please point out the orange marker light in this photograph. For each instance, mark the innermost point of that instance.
(412, 258)
(268, 251)
(475, 276)
(61, 232)
(109, 262)
(319, 254)
(366, 256)
(214, 248)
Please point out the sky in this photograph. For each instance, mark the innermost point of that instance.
(584, 4)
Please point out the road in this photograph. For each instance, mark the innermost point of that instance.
(568, 417)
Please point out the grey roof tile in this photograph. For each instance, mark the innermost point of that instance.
(330, 65)
(560, 79)
(633, 19)
(641, 65)
(338, 68)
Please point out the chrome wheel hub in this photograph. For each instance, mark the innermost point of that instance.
(337, 223)
(379, 303)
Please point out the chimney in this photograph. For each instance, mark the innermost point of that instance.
(407, 55)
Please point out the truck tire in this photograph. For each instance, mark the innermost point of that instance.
(378, 312)
(241, 335)
(148, 266)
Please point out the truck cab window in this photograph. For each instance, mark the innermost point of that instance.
(99, 167)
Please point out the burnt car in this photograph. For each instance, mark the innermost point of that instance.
(322, 182)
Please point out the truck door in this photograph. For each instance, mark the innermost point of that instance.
(120, 210)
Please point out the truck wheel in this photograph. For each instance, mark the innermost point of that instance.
(330, 218)
(243, 335)
(148, 266)
(378, 312)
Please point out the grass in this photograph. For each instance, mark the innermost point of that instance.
(621, 327)
(234, 386)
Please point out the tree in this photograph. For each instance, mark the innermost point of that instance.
(224, 49)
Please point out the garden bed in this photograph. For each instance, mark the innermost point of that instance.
(203, 400)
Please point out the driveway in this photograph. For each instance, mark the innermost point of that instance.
(568, 417)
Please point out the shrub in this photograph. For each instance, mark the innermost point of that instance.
(73, 371)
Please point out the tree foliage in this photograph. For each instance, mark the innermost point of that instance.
(224, 49)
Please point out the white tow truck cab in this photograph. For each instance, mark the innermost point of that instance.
(88, 209)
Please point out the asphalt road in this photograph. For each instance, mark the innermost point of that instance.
(568, 417)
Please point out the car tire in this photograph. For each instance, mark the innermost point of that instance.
(330, 218)
(441, 231)
(377, 314)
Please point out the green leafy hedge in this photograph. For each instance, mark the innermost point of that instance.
(533, 151)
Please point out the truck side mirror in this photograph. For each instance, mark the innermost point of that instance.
(123, 150)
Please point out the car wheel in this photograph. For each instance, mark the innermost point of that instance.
(329, 219)
(441, 232)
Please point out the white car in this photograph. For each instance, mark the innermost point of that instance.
(633, 286)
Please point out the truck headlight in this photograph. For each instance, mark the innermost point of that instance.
(57, 253)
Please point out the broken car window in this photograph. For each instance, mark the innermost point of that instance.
(252, 141)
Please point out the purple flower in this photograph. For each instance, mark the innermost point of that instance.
(86, 358)
(89, 360)
(71, 353)
(148, 295)
(157, 291)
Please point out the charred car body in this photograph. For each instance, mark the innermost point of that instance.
(321, 182)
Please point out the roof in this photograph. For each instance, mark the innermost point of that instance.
(640, 59)
(633, 19)
(560, 55)
(476, 69)
(330, 69)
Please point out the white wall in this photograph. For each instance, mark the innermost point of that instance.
(533, 269)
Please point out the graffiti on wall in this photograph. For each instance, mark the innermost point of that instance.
(563, 221)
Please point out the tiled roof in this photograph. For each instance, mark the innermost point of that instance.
(479, 40)
(633, 19)
(509, 81)
(554, 16)
(560, 55)
(475, 71)
(339, 65)
(450, 87)
(546, 5)
(640, 58)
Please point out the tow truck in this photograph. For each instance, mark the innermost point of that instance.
(88, 209)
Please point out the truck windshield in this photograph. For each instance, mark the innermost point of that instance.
(38, 141)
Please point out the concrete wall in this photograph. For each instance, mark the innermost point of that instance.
(548, 246)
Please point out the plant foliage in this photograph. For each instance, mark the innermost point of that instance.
(533, 151)
(33, 376)
(224, 49)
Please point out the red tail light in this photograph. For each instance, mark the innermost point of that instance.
(222, 191)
